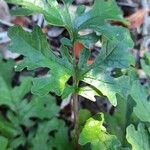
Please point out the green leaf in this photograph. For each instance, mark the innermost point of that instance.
(88, 92)
(145, 63)
(139, 95)
(11, 97)
(5, 95)
(84, 115)
(95, 133)
(43, 140)
(3, 143)
(87, 40)
(115, 45)
(19, 141)
(7, 129)
(80, 10)
(21, 12)
(53, 13)
(101, 12)
(68, 90)
(82, 64)
(108, 85)
(61, 140)
(114, 54)
(40, 7)
(23, 89)
(35, 48)
(39, 107)
(124, 111)
(139, 139)
(67, 1)
(120, 119)
(7, 70)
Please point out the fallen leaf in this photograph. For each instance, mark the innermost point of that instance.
(137, 19)
(22, 21)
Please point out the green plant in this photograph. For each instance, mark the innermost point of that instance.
(29, 119)
(98, 77)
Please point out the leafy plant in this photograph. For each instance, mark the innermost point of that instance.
(29, 119)
(97, 77)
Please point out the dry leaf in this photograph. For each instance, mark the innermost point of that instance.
(22, 21)
(137, 19)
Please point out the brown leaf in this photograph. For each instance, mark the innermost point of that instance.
(20, 20)
(137, 19)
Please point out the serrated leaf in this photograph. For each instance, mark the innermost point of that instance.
(95, 133)
(139, 139)
(139, 95)
(35, 48)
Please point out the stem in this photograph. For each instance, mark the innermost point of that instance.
(75, 106)
(76, 120)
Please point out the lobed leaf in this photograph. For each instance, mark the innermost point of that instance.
(139, 95)
(139, 139)
(95, 133)
(43, 140)
(35, 48)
